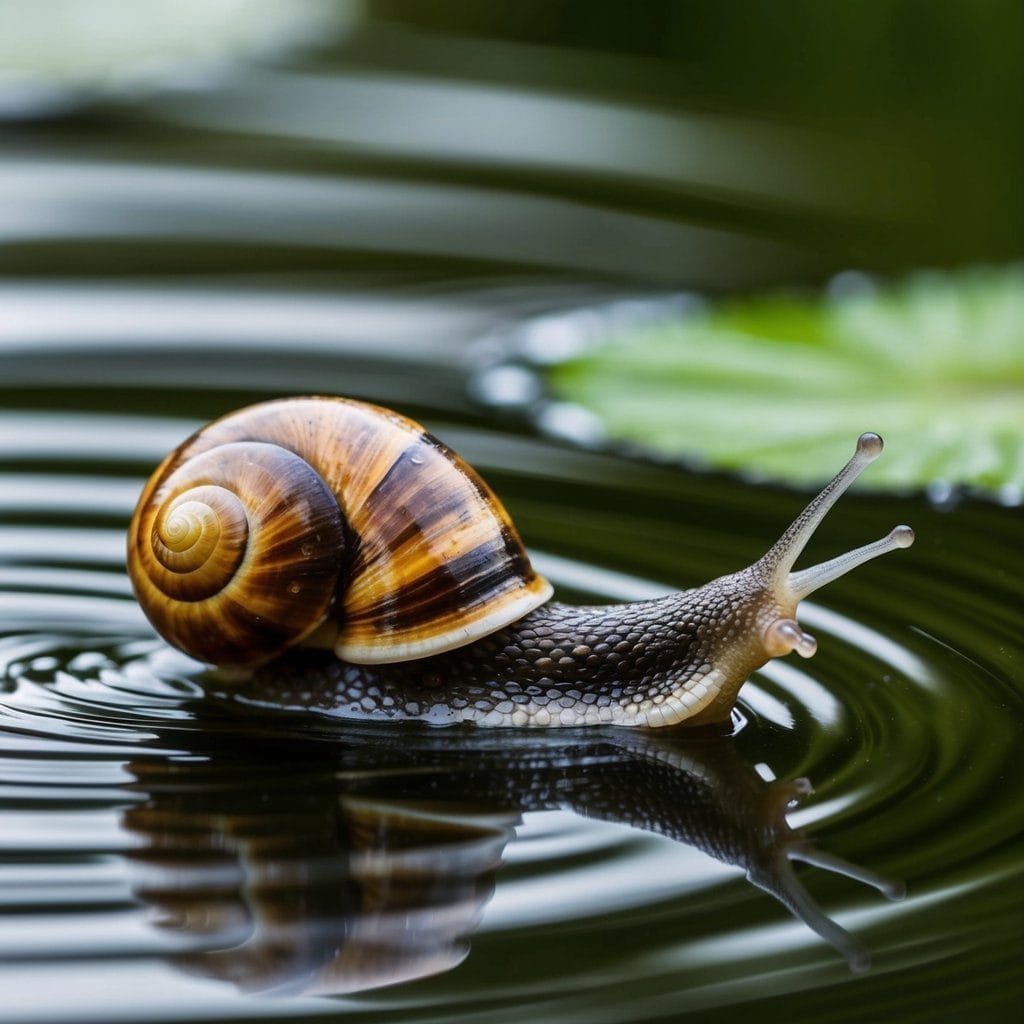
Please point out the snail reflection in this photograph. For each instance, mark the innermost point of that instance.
(373, 866)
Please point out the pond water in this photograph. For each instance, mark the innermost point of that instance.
(167, 854)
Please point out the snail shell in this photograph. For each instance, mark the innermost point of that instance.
(324, 520)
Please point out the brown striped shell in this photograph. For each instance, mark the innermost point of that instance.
(324, 520)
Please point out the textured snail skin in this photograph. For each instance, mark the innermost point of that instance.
(651, 663)
(327, 522)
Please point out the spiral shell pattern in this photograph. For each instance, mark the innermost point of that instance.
(325, 516)
(235, 555)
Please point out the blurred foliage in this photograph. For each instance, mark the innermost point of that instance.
(741, 143)
(936, 84)
(782, 385)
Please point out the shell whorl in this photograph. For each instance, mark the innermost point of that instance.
(299, 514)
(235, 555)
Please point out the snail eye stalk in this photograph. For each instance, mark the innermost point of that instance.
(806, 581)
(778, 562)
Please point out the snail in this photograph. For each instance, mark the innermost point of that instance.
(331, 523)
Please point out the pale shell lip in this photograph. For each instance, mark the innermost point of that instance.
(389, 651)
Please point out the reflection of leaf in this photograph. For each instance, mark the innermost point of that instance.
(782, 385)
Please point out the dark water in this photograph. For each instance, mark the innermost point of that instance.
(166, 854)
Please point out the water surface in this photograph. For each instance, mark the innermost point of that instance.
(169, 853)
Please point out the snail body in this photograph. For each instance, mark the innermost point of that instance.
(331, 523)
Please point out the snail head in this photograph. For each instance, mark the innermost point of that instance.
(754, 610)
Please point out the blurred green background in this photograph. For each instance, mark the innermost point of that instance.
(884, 134)
(913, 108)
(568, 152)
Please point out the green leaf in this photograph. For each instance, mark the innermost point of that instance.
(782, 385)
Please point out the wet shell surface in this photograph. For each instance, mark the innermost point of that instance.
(324, 520)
